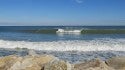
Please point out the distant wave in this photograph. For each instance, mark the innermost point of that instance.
(69, 31)
(73, 45)
(81, 31)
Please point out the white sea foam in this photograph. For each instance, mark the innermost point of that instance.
(68, 31)
(74, 45)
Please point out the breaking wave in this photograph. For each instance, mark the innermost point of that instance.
(69, 31)
(80, 31)
(104, 44)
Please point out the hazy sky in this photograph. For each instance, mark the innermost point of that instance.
(62, 12)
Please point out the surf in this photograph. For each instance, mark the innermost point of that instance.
(69, 45)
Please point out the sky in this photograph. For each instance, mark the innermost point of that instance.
(62, 12)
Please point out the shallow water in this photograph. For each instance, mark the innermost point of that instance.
(70, 56)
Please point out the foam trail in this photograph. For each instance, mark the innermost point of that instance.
(74, 45)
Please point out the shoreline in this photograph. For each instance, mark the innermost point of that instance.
(70, 56)
(36, 61)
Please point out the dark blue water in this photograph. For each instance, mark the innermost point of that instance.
(12, 28)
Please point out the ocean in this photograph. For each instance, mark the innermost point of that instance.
(73, 43)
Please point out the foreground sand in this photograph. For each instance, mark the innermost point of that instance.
(33, 61)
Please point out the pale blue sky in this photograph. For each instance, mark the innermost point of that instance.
(62, 12)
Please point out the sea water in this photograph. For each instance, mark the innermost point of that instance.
(70, 46)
